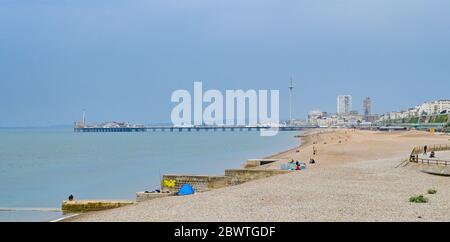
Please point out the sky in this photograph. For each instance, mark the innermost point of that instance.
(121, 60)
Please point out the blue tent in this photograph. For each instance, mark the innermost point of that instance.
(186, 189)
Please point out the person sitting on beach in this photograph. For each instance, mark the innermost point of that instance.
(70, 197)
(312, 161)
(432, 154)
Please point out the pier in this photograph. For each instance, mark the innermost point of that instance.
(187, 128)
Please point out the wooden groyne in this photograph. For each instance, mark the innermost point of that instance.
(77, 206)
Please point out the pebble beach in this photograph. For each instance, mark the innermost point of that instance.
(357, 177)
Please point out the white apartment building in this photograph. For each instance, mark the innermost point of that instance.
(344, 104)
(427, 108)
(434, 107)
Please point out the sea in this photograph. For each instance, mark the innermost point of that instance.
(41, 167)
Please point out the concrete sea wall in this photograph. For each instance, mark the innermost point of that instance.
(172, 183)
(200, 183)
(239, 176)
(91, 205)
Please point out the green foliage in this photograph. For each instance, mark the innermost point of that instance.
(432, 191)
(423, 119)
(418, 199)
(414, 120)
(441, 119)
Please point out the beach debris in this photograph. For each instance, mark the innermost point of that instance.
(186, 189)
(154, 191)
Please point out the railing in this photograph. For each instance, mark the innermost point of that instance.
(414, 157)
(420, 149)
(433, 161)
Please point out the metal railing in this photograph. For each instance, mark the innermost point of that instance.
(433, 161)
(414, 157)
(420, 149)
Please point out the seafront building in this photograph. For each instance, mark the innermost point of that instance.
(434, 107)
(82, 123)
(344, 104)
(432, 115)
(105, 125)
(345, 116)
(323, 119)
(438, 107)
(435, 114)
(367, 106)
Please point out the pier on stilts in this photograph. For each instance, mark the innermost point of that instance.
(187, 128)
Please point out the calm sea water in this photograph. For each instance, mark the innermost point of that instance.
(40, 167)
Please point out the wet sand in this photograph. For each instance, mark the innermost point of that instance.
(356, 178)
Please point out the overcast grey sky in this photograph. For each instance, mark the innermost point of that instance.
(121, 60)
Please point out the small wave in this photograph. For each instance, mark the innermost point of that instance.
(63, 218)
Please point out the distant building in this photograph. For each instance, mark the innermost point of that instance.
(372, 118)
(314, 115)
(82, 123)
(344, 104)
(367, 106)
(434, 107)
(424, 109)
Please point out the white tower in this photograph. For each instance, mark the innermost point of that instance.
(291, 86)
(84, 118)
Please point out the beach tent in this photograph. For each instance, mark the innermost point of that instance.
(186, 189)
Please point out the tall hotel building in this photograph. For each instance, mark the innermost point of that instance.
(344, 104)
